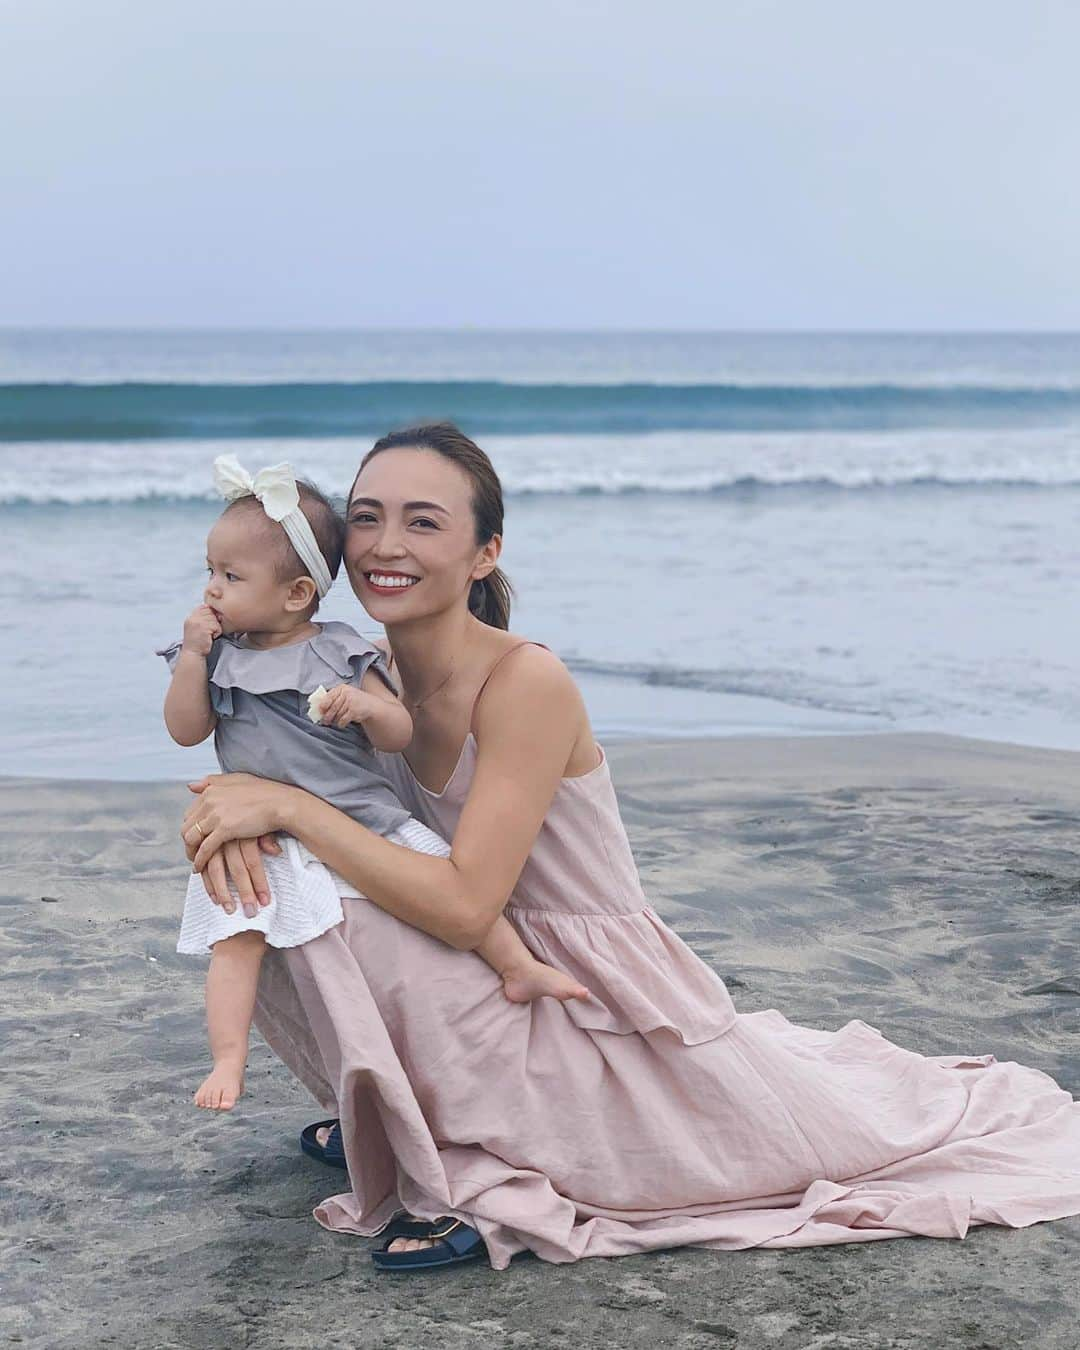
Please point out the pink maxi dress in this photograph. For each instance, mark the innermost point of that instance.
(655, 1116)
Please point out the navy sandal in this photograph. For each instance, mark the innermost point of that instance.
(332, 1153)
(454, 1243)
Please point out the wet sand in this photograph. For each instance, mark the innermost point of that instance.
(928, 885)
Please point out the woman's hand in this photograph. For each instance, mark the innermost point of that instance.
(240, 863)
(234, 818)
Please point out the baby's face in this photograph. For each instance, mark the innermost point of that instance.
(242, 585)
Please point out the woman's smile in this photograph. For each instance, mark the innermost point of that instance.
(387, 583)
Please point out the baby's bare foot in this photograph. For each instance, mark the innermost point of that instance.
(221, 1089)
(535, 980)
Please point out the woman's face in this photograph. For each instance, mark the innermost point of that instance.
(410, 545)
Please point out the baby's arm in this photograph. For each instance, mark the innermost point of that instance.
(524, 977)
(188, 714)
(378, 710)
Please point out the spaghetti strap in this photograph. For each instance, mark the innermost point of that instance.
(509, 652)
(526, 642)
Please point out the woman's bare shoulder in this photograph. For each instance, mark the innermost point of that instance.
(531, 710)
(533, 665)
(530, 678)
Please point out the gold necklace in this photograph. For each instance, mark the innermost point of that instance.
(419, 703)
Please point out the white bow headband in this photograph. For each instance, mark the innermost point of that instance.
(275, 489)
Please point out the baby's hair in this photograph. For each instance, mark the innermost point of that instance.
(327, 525)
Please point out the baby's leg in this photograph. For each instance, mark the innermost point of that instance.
(230, 1003)
(524, 977)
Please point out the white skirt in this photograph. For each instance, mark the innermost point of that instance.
(305, 896)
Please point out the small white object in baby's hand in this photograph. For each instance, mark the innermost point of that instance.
(315, 703)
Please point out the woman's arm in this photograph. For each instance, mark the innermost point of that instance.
(527, 724)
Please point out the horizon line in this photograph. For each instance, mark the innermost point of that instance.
(480, 330)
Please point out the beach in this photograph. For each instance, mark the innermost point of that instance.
(926, 884)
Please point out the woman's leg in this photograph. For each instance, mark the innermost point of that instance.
(230, 1001)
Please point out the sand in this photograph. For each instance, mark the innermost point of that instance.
(928, 885)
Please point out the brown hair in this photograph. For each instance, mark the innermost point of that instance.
(327, 525)
(489, 597)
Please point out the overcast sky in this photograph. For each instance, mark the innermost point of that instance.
(712, 164)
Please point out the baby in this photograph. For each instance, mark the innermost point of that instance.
(252, 668)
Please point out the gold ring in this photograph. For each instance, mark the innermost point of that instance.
(202, 832)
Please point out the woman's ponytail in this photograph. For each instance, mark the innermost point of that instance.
(489, 599)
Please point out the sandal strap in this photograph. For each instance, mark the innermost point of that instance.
(457, 1235)
(333, 1151)
(404, 1225)
(335, 1142)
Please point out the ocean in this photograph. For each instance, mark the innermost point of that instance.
(720, 533)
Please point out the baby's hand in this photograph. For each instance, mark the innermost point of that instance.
(345, 704)
(201, 627)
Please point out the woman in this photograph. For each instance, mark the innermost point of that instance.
(653, 1115)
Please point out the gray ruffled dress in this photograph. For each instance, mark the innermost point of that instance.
(260, 699)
